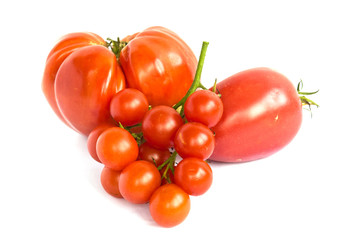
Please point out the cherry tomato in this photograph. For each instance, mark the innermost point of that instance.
(93, 137)
(160, 64)
(262, 114)
(194, 140)
(193, 175)
(110, 181)
(205, 107)
(129, 106)
(159, 126)
(116, 148)
(79, 80)
(138, 181)
(169, 205)
(153, 155)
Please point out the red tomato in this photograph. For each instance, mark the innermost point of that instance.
(262, 114)
(153, 155)
(138, 181)
(193, 175)
(116, 148)
(159, 64)
(110, 181)
(169, 205)
(79, 80)
(159, 126)
(129, 106)
(194, 140)
(93, 137)
(205, 107)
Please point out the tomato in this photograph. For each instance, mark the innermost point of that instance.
(193, 175)
(93, 137)
(194, 140)
(159, 126)
(169, 205)
(160, 64)
(129, 106)
(262, 114)
(80, 77)
(138, 181)
(205, 107)
(153, 155)
(116, 148)
(110, 181)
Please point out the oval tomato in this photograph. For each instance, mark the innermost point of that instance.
(160, 64)
(262, 114)
(81, 76)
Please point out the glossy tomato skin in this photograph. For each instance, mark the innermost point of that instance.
(80, 97)
(84, 86)
(193, 175)
(262, 114)
(62, 49)
(138, 181)
(169, 205)
(160, 64)
(110, 181)
(116, 148)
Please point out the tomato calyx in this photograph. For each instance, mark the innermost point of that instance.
(137, 135)
(167, 166)
(302, 95)
(115, 46)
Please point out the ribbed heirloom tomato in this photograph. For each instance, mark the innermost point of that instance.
(81, 75)
(160, 64)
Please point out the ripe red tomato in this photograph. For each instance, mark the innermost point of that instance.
(194, 140)
(205, 107)
(81, 76)
(129, 106)
(169, 205)
(93, 137)
(262, 114)
(159, 126)
(110, 181)
(116, 148)
(153, 155)
(193, 175)
(138, 181)
(160, 64)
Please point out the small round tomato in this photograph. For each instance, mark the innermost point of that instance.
(193, 175)
(194, 140)
(93, 137)
(159, 126)
(153, 155)
(169, 205)
(205, 107)
(116, 148)
(138, 181)
(110, 181)
(129, 106)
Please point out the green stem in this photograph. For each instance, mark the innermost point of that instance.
(196, 83)
(115, 46)
(169, 165)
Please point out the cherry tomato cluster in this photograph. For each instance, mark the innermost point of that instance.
(139, 154)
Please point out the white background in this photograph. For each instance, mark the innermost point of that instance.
(50, 186)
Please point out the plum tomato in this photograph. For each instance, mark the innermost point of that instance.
(129, 106)
(116, 148)
(138, 181)
(159, 126)
(194, 140)
(193, 175)
(169, 205)
(262, 114)
(153, 155)
(205, 107)
(93, 137)
(110, 181)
